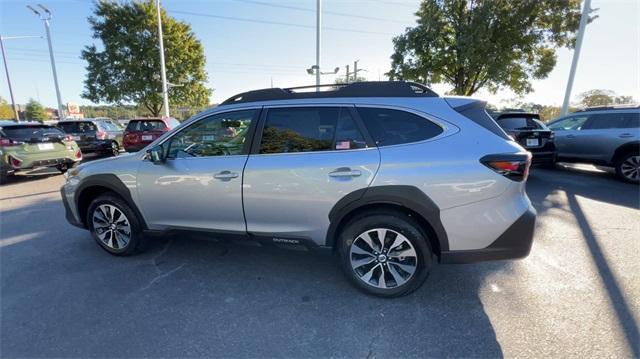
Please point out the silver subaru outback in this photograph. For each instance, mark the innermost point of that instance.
(390, 175)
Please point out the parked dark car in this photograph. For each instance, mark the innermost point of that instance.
(94, 135)
(142, 131)
(529, 131)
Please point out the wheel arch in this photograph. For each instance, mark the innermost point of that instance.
(407, 199)
(623, 149)
(96, 185)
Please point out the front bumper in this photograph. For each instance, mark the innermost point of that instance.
(514, 243)
(70, 209)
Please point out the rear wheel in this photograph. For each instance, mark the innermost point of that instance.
(66, 166)
(114, 225)
(115, 149)
(628, 167)
(385, 253)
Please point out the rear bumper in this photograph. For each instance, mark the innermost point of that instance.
(514, 243)
(543, 157)
(97, 146)
(135, 148)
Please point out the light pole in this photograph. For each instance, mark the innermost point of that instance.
(45, 18)
(586, 8)
(315, 70)
(165, 88)
(318, 38)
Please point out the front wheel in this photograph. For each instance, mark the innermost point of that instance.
(113, 225)
(385, 253)
(628, 168)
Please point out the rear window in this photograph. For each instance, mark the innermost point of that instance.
(393, 127)
(146, 125)
(519, 123)
(32, 133)
(77, 127)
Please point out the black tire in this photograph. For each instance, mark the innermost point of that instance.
(115, 149)
(135, 237)
(622, 170)
(4, 177)
(394, 221)
(63, 168)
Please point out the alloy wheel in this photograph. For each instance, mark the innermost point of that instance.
(111, 226)
(630, 168)
(115, 150)
(383, 258)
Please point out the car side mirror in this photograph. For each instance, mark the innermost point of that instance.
(156, 154)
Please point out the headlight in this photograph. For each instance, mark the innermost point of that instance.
(71, 174)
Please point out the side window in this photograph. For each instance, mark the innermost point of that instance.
(571, 123)
(310, 129)
(393, 127)
(603, 121)
(218, 135)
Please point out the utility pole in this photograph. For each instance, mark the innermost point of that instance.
(6, 70)
(165, 89)
(586, 8)
(318, 38)
(347, 75)
(355, 71)
(45, 18)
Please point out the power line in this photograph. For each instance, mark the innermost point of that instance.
(297, 8)
(268, 22)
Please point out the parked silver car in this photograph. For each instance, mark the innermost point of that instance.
(607, 136)
(389, 174)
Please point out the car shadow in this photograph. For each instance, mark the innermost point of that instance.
(189, 295)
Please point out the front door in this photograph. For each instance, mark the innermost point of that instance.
(200, 184)
(307, 159)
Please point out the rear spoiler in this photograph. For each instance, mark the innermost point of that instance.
(475, 111)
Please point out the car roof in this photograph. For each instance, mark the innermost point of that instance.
(372, 89)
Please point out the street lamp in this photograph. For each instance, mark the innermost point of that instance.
(45, 17)
(313, 70)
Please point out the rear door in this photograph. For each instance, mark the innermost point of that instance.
(601, 135)
(35, 142)
(143, 132)
(304, 160)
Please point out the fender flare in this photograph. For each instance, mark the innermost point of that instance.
(112, 183)
(409, 197)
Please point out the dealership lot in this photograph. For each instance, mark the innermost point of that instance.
(575, 295)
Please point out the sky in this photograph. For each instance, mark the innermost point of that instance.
(250, 44)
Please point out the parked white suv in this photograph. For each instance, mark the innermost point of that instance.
(389, 174)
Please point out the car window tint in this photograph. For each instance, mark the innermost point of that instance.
(602, 121)
(78, 127)
(32, 133)
(571, 123)
(518, 123)
(146, 125)
(310, 129)
(393, 127)
(218, 135)
(68, 126)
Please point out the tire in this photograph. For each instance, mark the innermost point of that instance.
(4, 177)
(628, 167)
(65, 167)
(115, 149)
(402, 235)
(114, 241)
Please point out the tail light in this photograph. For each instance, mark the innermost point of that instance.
(101, 135)
(514, 166)
(131, 137)
(7, 142)
(79, 155)
(15, 162)
(68, 138)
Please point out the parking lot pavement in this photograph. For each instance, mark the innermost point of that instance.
(575, 295)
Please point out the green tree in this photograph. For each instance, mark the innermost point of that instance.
(127, 70)
(35, 111)
(600, 97)
(474, 44)
(6, 112)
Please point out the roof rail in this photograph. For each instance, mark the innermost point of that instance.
(609, 107)
(355, 89)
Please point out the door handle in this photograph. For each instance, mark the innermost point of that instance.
(626, 135)
(345, 172)
(225, 175)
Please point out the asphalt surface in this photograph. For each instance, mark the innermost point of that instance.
(576, 295)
